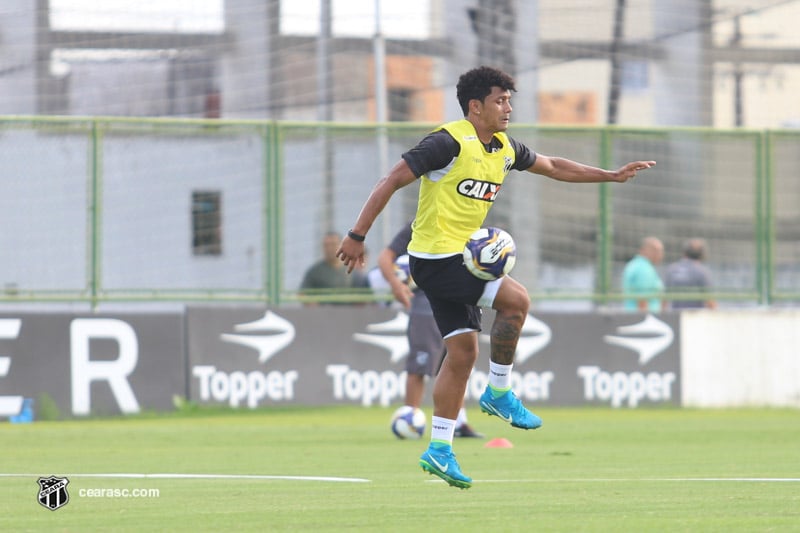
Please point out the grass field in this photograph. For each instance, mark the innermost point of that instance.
(585, 470)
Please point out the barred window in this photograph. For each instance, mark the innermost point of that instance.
(206, 222)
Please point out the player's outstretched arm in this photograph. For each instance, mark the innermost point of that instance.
(351, 251)
(559, 168)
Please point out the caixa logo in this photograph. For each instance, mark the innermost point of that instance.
(648, 339)
(479, 190)
(267, 336)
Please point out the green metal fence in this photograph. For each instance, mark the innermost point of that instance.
(105, 209)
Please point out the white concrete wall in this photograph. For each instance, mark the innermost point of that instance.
(18, 58)
(740, 358)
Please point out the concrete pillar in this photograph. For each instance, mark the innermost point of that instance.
(246, 67)
(18, 59)
(682, 81)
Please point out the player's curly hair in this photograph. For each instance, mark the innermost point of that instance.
(477, 84)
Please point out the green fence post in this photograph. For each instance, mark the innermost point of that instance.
(605, 228)
(273, 214)
(766, 219)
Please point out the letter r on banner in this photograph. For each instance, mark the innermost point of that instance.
(84, 371)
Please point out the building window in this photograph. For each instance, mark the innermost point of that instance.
(400, 105)
(206, 223)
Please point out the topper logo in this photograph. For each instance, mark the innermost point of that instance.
(267, 344)
(391, 336)
(251, 388)
(648, 338)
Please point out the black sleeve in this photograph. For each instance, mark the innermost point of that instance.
(525, 156)
(436, 150)
(399, 244)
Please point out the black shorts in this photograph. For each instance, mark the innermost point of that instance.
(426, 347)
(452, 291)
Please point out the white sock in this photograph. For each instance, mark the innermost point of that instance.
(442, 430)
(462, 417)
(500, 375)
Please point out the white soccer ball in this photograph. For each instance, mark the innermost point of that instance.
(402, 269)
(408, 422)
(490, 253)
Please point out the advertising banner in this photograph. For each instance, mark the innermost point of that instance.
(250, 357)
(311, 356)
(91, 364)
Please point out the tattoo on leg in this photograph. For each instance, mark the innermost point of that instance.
(505, 334)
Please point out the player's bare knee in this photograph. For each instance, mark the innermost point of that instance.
(463, 357)
(513, 300)
(462, 349)
(524, 303)
(458, 366)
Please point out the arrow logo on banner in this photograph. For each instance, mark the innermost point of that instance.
(396, 344)
(534, 336)
(266, 345)
(659, 339)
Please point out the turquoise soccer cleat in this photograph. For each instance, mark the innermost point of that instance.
(509, 408)
(442, 462)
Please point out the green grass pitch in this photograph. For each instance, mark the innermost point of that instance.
(585, 470)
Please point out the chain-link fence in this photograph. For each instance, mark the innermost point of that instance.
(101, 210)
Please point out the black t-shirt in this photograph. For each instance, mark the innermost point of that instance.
(437, 149)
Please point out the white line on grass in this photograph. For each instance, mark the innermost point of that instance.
(205, 476)
(631, 480)
(740, 479)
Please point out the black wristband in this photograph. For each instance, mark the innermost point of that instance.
(356, 236)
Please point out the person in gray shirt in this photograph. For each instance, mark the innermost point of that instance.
(690, 274)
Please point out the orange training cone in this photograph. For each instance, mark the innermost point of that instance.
(498, 443)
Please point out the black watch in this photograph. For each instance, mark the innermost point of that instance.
(356, 236)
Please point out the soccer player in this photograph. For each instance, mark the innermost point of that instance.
(462, 165)
(426, 348)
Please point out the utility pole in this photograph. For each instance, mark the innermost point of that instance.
(615, 88)
(495, 24)
(381, 114)
(325, 110)
(738, 73)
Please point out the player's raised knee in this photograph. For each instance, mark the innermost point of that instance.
(512, 298)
